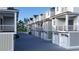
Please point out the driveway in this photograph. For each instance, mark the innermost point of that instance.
(31, 43)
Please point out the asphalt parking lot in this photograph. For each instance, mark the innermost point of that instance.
(31, 43)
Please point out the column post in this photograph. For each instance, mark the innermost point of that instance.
(66, 22)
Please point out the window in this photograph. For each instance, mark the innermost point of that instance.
(56, 33)
(48, 13)
(63, 9)
(54, 22)
(52, 9)
(57, 8)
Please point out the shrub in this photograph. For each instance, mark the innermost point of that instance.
(30, 32)
(16, 36)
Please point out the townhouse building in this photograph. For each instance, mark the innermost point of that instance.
(8, 20)
(59, 25)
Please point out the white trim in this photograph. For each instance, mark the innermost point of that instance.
(15, 28)
(66, 21)
(68, 39)
(7, 32)
(74, 31)
(67, 31)
(52, 37)
(12, 47)
(59, 39)
(73, 47)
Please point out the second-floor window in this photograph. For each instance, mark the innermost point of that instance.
(63, 9)
(57, 9)
(48, 13)
(54, 22)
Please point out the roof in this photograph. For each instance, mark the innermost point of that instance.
(64, 13)
(57, 15)
(6, 10)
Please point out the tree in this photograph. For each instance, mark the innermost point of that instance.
(20, 26)
(26, 20)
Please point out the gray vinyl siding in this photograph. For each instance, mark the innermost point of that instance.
(6, 42)
(74, 39)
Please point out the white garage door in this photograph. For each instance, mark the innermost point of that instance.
(63, 40)
(56, 38)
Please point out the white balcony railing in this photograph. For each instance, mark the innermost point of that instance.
(37, 28)
(67, 28)
(7, 28)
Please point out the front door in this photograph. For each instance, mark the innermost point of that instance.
(70, 25)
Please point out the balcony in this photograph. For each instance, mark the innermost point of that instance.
(7, 28)
(67, 28)
(39, 29)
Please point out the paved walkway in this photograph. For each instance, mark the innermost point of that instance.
(30, 43)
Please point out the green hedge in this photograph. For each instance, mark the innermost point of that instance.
(49, 34)
(22, 30)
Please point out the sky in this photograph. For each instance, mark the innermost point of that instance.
(27, 12)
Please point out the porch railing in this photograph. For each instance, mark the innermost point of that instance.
(67, 28)
(39, 28)
(6, 28)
